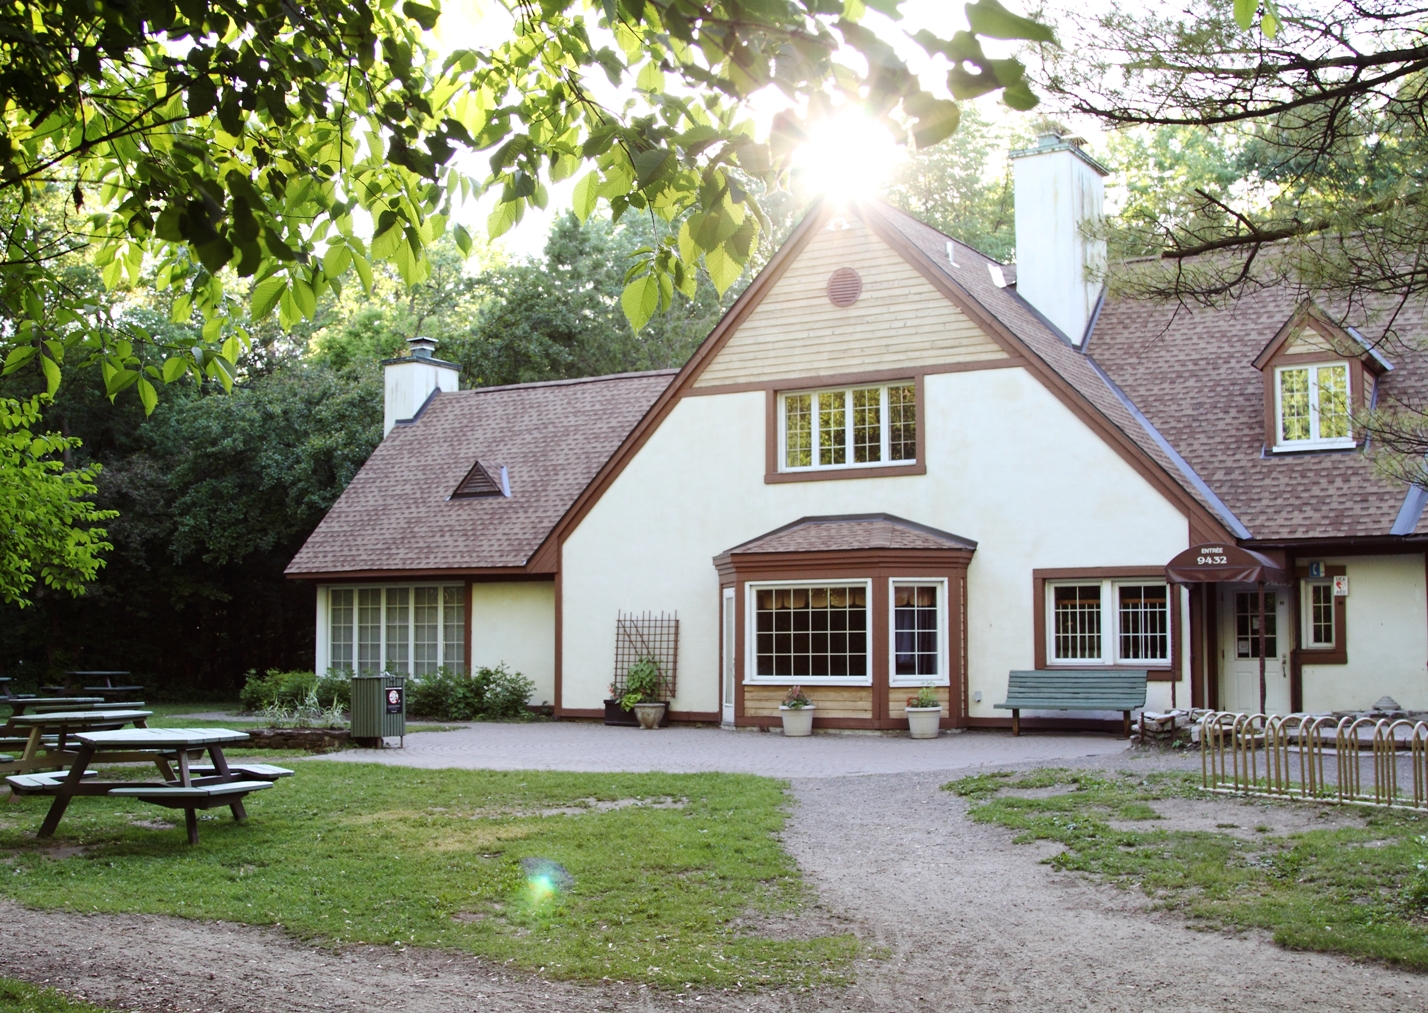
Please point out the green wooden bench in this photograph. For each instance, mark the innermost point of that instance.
(1075, 689)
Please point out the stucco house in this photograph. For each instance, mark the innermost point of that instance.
(896, 462)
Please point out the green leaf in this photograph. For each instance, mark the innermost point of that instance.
(505, 217)
(463, 239)
(266, 295)
(640, 300)
(148, 397)
(1270, 23)
(1019, 96)
(174, 368)
(421, 14)
(723, 269)
(937, 118)
(989, 18)
(19, 355)
(587, 191)
(1245, 11)
(364, 271)
(650, 165)
(52, 374)
(305, 298)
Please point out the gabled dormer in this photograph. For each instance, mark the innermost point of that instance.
(1317, 376)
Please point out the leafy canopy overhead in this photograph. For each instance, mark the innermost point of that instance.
(242, 147)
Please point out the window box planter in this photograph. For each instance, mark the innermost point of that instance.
(923, 722)
(797, 721)
(651, 715)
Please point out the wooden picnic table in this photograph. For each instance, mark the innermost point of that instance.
(194, 788)
(20, 704)
(46, 736)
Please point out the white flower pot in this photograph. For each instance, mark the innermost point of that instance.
(922, 722)
(797, 721)
(650, 714)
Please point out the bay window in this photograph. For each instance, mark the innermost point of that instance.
(408, 630)
(848, 428)
(919, 633)
(813, 632)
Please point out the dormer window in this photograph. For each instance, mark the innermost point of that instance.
(1313, 406)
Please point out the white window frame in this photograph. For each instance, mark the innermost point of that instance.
(884, 427)
(1306, 598)
(382, 624)
(1314, 442)
(944, 673)
(1110, 623)
(751, 642)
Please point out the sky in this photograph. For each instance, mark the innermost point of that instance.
(865, 149)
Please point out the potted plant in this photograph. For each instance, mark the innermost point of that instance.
(797, 713)
(924, 713)
(643, 683)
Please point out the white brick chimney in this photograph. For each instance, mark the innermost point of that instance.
(1059, 189)
(411, 379)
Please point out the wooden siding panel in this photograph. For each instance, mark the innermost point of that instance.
(1308, 340)
(898, 695)
(831, 701)
(900, 320)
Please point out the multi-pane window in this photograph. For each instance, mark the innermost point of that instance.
(1247, 625)
(1314, 406)
(1076, 618)
(1144, 622)
(426, 629)
(853, 427)
(1109, 622)
(818, 631)
(916, 638)
(340, 614)
(1319, 617)
(404, 629)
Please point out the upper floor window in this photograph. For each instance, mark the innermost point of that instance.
(849, 428)
(1313, 406)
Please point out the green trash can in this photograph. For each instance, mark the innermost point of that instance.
(379, 709)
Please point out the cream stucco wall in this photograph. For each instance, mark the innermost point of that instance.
(513, 623)
(1386, 626)
(1008, 465)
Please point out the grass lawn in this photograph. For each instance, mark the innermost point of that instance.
(20, 997)
(390, 855)
(1360, 890)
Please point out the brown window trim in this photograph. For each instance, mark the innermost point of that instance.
(772, 476)
(1339, 653)
(1154, 673)
(879, 566)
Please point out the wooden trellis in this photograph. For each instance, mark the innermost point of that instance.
(647, 636)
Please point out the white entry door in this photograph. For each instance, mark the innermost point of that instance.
(728, 667)
(1239, 649)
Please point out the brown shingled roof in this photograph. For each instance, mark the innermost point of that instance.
(1190, 370)
(398, 514)
(850, 533)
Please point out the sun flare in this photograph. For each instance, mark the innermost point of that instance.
(847, 155)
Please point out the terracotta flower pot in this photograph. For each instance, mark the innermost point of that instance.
(797, 721)
(650, 714)
(923, 722)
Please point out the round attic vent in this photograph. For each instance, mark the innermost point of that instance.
(844, 287)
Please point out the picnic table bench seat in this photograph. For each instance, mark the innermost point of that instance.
(25, 784)
(1080, 689)
(256, 771)
(198, 796)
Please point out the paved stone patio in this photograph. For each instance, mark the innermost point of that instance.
(589, 746)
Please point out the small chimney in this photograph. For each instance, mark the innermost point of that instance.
(412, 379)
(1059, 191)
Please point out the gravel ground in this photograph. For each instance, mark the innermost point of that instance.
(963, 919)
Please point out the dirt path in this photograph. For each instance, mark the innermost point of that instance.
(970, 920)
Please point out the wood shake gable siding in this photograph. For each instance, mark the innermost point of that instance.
(900, 321)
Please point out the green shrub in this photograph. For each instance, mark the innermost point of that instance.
(291, 689)
(490, 694)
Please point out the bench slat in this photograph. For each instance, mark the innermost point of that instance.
(202, 791)
(1075, 689)
(259, 771)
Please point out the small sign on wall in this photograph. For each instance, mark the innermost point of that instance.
(1316, 568)
(394, 700)
(1341, 587)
